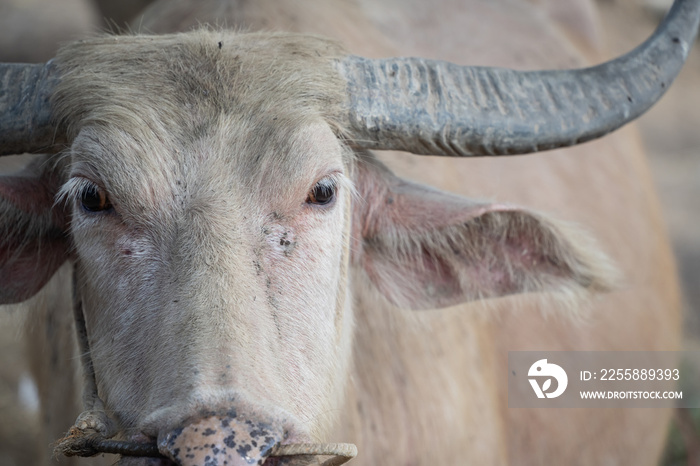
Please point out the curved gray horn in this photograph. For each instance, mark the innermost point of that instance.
(25, 114)
(433, 107)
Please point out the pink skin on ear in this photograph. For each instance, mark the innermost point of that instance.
(423, 248)
(33, 243)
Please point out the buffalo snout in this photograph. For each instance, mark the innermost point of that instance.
(221, 440)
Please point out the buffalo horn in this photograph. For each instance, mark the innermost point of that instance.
(25, 115)
(434, 107)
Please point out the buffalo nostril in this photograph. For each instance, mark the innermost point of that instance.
(218, 440)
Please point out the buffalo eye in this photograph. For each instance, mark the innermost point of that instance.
(94, 199)
(323, 193)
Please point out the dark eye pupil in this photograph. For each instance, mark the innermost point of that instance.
(323, 193)
(93, 199)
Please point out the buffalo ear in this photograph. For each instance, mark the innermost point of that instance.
(423, 248)
(33, 240)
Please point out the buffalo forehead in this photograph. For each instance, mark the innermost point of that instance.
(204, 72)
(164, 122)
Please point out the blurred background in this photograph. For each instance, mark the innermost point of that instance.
(671, 134)
(31, 31)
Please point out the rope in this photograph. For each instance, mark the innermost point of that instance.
(94, 418)
(342, 452)
(80, 443)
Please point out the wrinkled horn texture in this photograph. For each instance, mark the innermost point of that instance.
(434, 107)
(25, 113)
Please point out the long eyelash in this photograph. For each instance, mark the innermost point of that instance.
(328, 183)
(72, 189)
(338, 180)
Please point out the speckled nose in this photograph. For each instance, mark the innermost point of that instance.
(219, 440)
